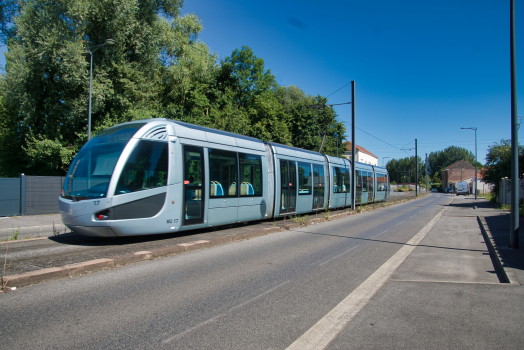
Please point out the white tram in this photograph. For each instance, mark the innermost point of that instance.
(159, 175)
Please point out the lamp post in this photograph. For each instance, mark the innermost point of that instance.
(383, 160)
(91, 50)
(476, 180)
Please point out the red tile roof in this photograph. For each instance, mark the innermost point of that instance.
(360, 149)
(461, 170)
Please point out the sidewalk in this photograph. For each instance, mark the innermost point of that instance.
(447, 294)
(31, 226)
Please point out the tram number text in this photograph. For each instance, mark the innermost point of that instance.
(96, 202)
(170, 221)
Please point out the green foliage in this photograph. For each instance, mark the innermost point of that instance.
(403, 170)
(498, 163)
(157, 67)
(8, 11)
(440, 160)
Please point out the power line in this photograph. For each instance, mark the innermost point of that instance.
(338, 89)
(371, 135)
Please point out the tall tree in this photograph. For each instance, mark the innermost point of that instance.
(8, 11)
(309, 119)
(441, 159)
(498, 163)
(47, 73)
(403, 169)
(250, 76)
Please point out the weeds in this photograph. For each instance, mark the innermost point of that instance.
(56, 231)
(326, 214)
(3, 280)
(14, 235)
(302, 220)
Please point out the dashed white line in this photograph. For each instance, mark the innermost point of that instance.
(223, 314)
(336, 256)
(400, 223)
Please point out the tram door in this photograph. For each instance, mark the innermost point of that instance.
(193, 186)
(318, 186)
(288, 186)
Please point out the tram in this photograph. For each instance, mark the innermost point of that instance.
(159, 176)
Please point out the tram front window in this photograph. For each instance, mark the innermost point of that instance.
(90, 172)
(145, 168)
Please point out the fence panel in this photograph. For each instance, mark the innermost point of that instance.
(10, 198)
(41, 196)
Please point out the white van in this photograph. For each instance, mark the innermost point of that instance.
(462, 188)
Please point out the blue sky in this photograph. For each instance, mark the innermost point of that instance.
(423, 69)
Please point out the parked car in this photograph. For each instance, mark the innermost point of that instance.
(462, 188)
(434, 189)
(449, 190)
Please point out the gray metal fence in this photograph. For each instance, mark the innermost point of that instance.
(41, 194)
(30, 195)
(9, 196)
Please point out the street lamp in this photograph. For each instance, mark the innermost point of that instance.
(476, 180)
(91, 50)
(383, 160)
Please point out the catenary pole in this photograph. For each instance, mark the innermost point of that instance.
(353, 145)
(476, 171)
(514, 222)
(426, 173)
(416, 170)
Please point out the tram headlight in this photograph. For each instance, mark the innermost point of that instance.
(103, 215)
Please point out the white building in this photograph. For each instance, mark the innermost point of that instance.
(361, 154)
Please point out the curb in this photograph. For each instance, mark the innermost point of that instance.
(78, 269)
(498, 258)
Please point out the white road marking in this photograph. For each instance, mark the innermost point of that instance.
(336, 256)
(400, 223)
(223, 314)
(327, 329)
(381, 233)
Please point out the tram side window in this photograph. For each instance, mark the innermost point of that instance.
(223, 173)
(381, 182)
(304, 179)
(370, 181)
(359, 181)
(347, 183)
(365, 178)
(250, 175)
(145, 168)
(339, 185)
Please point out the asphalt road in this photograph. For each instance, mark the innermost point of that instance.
(264, 293)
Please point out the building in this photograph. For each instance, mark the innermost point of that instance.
(361, 154)
(463, 171)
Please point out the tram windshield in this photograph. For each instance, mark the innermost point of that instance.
(89, 174)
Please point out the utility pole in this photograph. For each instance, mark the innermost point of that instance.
(426, 173)
(353, 145)
(514, 222)
(416, 170)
